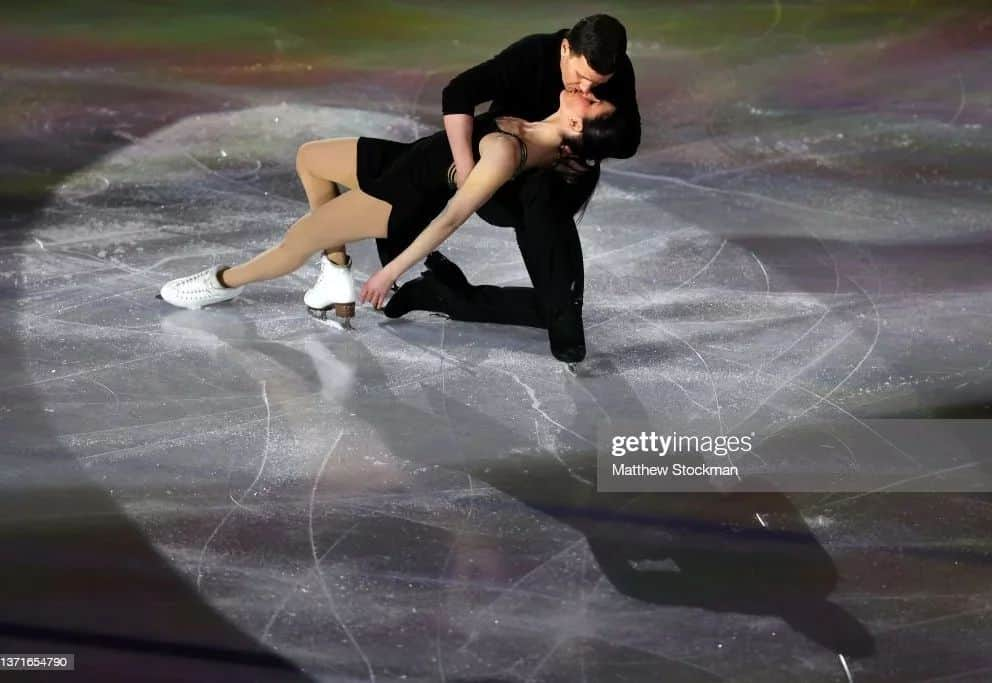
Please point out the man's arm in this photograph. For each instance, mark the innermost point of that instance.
(483, 82)
(459, 129)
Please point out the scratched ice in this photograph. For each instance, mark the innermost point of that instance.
(415, 498)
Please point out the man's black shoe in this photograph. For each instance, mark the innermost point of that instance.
(424, 293)
(565, 332)
(446, 271)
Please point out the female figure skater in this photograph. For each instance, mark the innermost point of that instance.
(396, 188)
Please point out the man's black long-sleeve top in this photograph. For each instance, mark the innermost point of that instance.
(524, 80)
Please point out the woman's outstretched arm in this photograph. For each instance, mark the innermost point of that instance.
(498, 158)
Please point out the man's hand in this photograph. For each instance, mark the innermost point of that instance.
(377, 287)
(572, 166)
(461, 174)
(458, 128)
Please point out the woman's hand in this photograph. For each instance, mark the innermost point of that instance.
(377, 287)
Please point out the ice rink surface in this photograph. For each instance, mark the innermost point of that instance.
(415, 499)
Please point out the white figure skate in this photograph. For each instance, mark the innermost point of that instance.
(334, 289)
(199, 290)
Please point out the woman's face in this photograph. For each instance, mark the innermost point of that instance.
(579, 106)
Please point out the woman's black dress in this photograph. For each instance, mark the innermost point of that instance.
(413, 178)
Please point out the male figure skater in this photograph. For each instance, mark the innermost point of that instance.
(525, 81)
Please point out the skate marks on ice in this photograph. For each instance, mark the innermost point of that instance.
(330, 489)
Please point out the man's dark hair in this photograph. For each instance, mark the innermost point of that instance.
(601, 39)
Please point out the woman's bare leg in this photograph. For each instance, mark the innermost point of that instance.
(348, 218)
(322, 165)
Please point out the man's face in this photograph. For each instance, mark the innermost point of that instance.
(576, 74)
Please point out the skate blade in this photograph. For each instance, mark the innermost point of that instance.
(326, 317)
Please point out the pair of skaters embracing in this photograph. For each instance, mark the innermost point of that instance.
(561, 102)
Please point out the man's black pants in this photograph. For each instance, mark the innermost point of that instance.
(540, 206)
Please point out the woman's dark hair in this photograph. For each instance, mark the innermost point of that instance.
(601, 137)
(601, 39)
